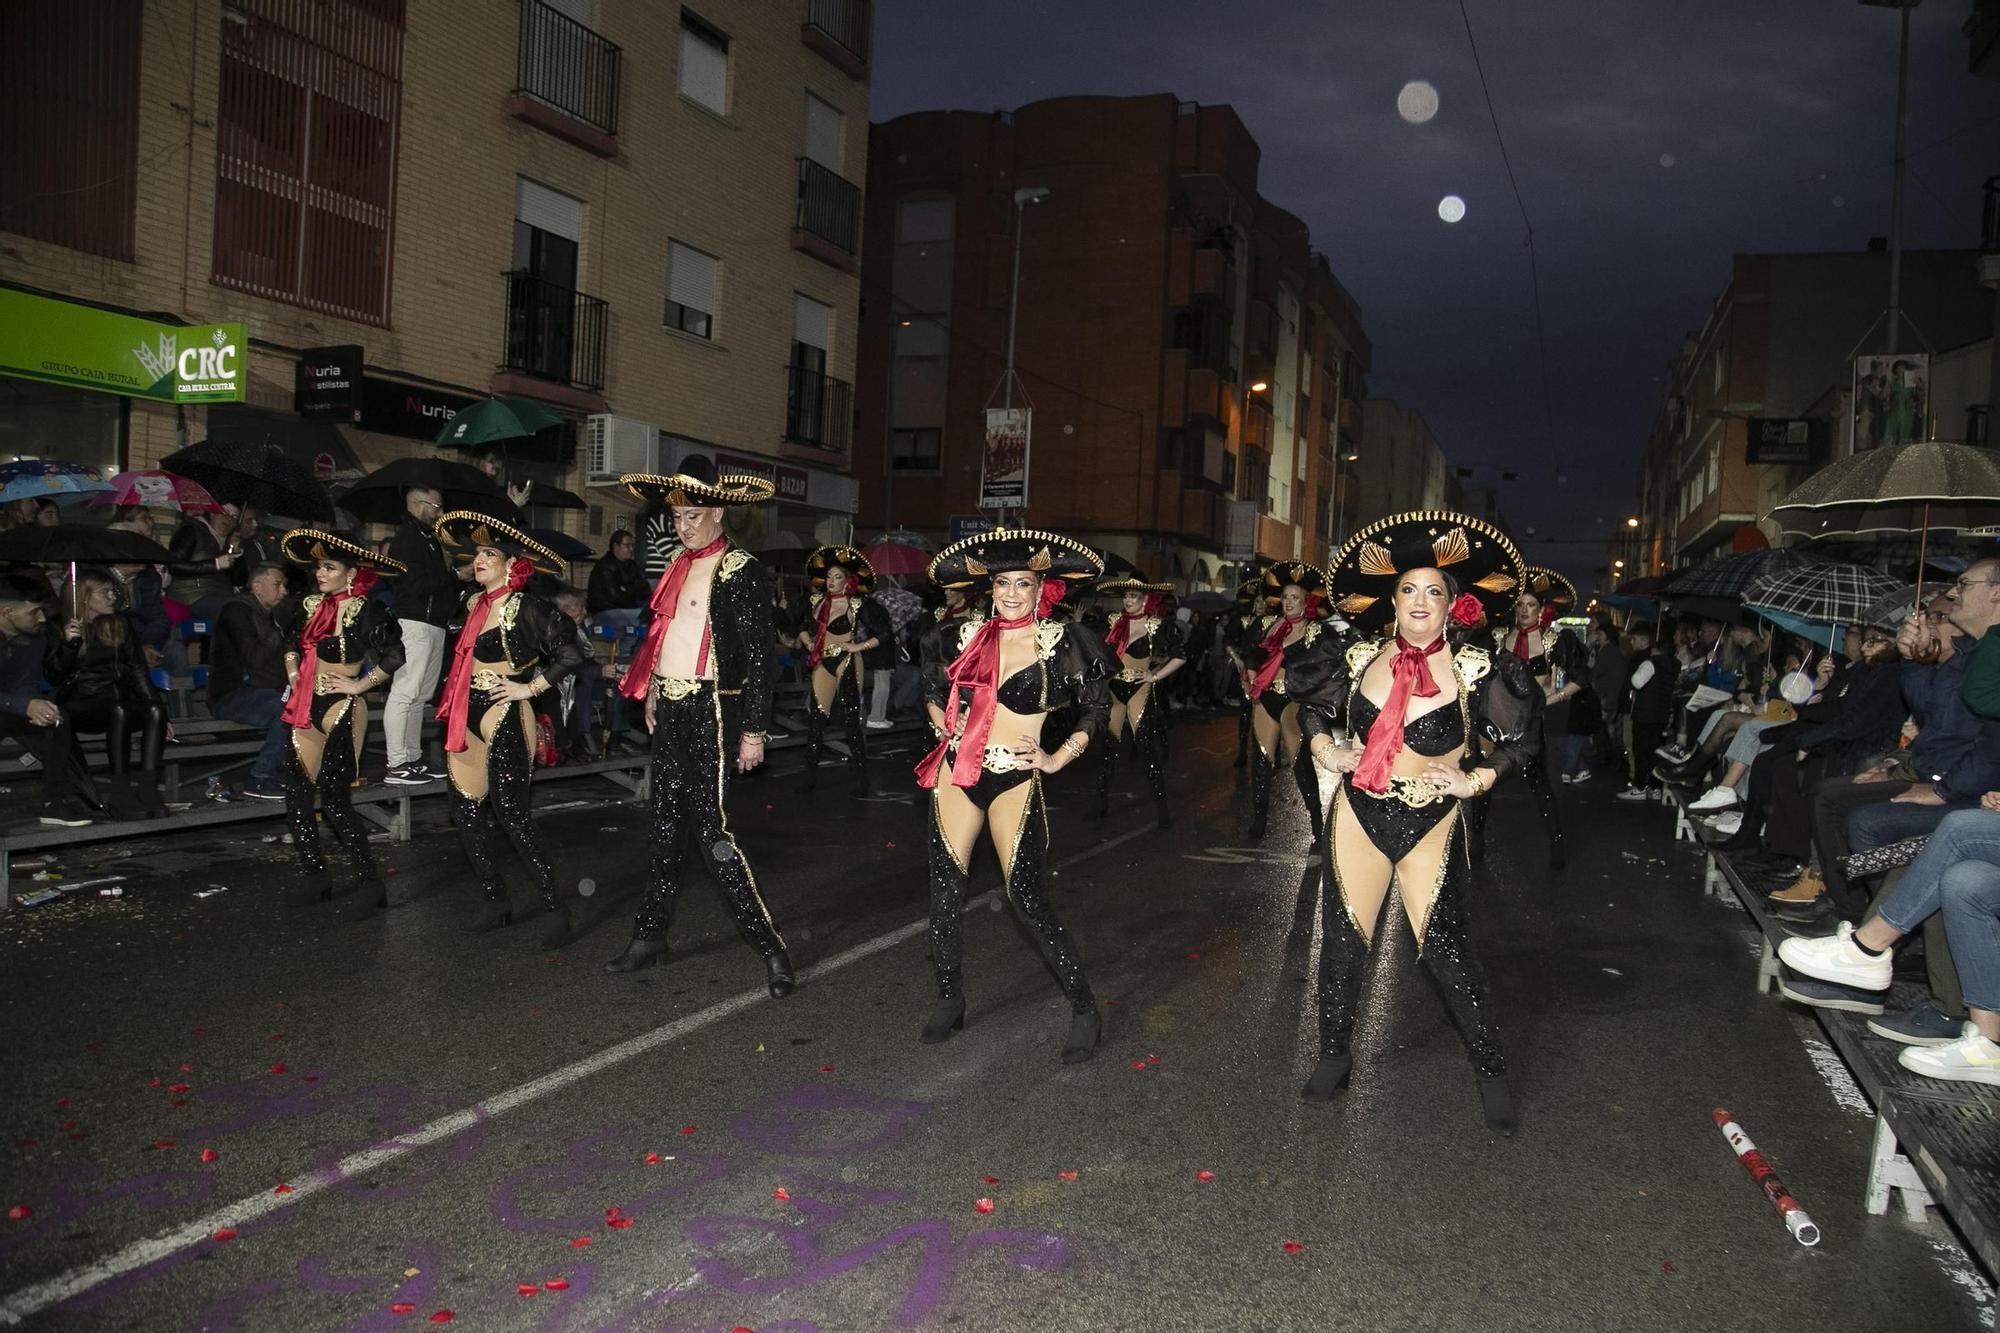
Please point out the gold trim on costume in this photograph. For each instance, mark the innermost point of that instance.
(676, 688)
(1413, 792)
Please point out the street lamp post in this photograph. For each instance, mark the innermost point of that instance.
(1027, 194)
(1896, 181)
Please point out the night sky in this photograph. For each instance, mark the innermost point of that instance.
(1651, 141)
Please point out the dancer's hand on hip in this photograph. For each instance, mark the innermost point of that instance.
(1452, 781)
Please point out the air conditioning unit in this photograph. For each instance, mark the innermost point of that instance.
(613, 446)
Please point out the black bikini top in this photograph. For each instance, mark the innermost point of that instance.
(1436, 733)
(1022, 692)
(839, 625)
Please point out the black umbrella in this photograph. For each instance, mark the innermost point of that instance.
(555, 497)
(77, 543)
(253, 473)
(564, 545)
(378, 497)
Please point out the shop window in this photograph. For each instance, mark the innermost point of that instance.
(916, 449)
(56, 422)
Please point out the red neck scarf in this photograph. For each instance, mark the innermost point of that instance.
(1273, 646)
(977, 667)
(1524, 640)
(1121, 628)
(326, 619)
(639, 676)
(457, 697)
(825, 614)
(1410, 675)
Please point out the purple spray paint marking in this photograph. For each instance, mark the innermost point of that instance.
(60, 1203)
(585, 1164)
(785, 1126)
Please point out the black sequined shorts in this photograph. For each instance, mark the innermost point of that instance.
(990, 787)
(1394, 827)
(1124, 690)
(1274, 704)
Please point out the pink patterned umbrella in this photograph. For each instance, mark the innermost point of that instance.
(157, 490)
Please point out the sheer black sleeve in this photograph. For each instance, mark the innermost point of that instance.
(1169, 642)
(1507, 711)
(936, 650)
(1086, 667)
(381, 636)
(1317, 680)
(553, 635)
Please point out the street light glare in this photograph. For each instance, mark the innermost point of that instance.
(1631, 522)
(1258, 386)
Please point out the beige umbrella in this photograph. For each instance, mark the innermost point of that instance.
(1907, 488)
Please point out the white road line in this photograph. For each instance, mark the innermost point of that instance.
(66, 1286)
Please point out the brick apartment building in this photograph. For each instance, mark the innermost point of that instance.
(646, 216)
(1778, 347)
(1191, 361)
(1402, 466)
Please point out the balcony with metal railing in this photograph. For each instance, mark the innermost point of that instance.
(566, 79)
(828, 223)
(841, 31)
(555, 335)
(819, 410)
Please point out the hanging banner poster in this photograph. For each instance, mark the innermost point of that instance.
(1003, 469)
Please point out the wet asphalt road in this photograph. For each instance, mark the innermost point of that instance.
(467, 1125)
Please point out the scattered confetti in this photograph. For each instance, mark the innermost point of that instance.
(527, 1289)
(556, 1284)
(687, 1129)
(179, 1087)
(579, 1242)
(620, 1224)
(63, 1101)
(826, 1069)
(1667, 1266)
(989, 1180)
(1067, 1175)
(781, 1194)
(310, 1078)
(442, 1317)
(186, 1068)
(277, 1069)
(201, 1032)
(760, 1048)
(282, 1189)
(654, 1159)
(890, 845)
(277, 1036)
(1193, 954)
(1204, 1176)
(163, 1144)
(1293, 1247)
(1152, 1059)
(411, 1272)
(982, 1205)
(210, 1155)
(20, 1212)
(153, 1082)
(1139, 1064)
(225, 1233)
(279, 1004)
(534, 1008)
(402, 1307)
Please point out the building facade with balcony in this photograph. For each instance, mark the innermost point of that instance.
(1776, 357)
(1194, 367)
(645, 217)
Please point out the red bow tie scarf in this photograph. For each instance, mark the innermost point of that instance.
(977, 668)
(325, 620)
(1121, 628)
(819, 635)
(1273, 646)
(639, 675)
(1410, 675)
(1527, 641)
(457, 698)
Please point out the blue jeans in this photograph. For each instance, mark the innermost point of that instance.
(253, 707)
(1882, 822)
(1971, 892)
(1962, 835)
(622, 617)
(1573, 751)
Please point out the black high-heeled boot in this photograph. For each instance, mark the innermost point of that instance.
(638, 954)
(815, 744)
(1329, 1078)
(1086, 1030)
(146, 790)
(947, 1017)
(313, 888)
(493, 914)
(1260, 795)
(557, 928)
(1497, 1102)
(1307, 777)
(369, 893)
(778, 975)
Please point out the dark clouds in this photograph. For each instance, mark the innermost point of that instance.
(1777, 114)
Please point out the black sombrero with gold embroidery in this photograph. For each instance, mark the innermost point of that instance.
(1477, 555)
(464, 531)
(698, 484)
(1247, 591)
(1308, 578)
(309, 546)
(860, 574)
(1131, 584)
(1549, 587)
(974, 559)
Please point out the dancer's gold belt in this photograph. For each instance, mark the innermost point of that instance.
(995, 759)
(1132, 677)
(1413, 792)
(331, 674)
(677, 688)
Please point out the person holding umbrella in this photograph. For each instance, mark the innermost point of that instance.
(28, 715)
(514, 647)
(101, 683)
(836, 627)
(1149, 649)
(426, 598)
(202, 558)
(345, 644)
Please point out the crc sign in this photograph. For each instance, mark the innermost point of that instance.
(87, 347)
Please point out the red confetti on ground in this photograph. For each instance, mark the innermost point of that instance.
(402, 1307)
(620, 1224)
(24, 1143)
(1067, 1175)
(1204, 1175)
(279, 1004)
(390, 871)
(163, 1143)
(277, 1069)
(611, 1212)
(180, 1087)
(277, 1036)
(209, 1155)
(310, 1078)
(177, 1101)
(1152, 1059)
(781, 1194)
(63, 1101)
(528, 1289)
(989, 1180)
(201, 1032)
(1192, 954)
(1667, 1266)
(534, 1008)
(982, 1205)
(687, 1129)
(579, 1242)
(20, 1212)
(652, 1159)
(69, 1124)
(282, 1189)
(226, 1233)
(153, 1082)
(890, 845)
(186, 1068)
(826, 1069)
(556, 1284)
(1293, 1247)
(1139, 1064)
(1111, 1002)
(442, 1317)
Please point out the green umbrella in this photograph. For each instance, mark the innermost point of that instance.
(492, 420)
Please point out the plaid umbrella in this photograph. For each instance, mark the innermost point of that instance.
(1731, 575)
(1828, 594)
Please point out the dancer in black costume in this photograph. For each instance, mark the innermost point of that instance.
(1417, 701)
(1291, 629)
(705, 672)
(1529, 635)
(1148, 648)
(345, 644)
(513, 648)
(1239, 639)
(837, 624)
(988, 688)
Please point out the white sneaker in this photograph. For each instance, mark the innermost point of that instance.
(1712, 800)
(1636, 794)
(1581, 775)
(1970, 1059)
(1837, 958)
(884, 725)
(1568, 778)
(1727, 824)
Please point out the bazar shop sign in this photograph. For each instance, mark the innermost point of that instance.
(792, 483)
(407, 410)
(328, 385)
(60, 342)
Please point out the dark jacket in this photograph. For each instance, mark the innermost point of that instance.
(21, 659)
(430, 591)
(615, 585)
(1955, 749)
(1863, 711)
(1076, 669)
(247, 651)
(191, 556)
(88, 668)
(1608, 673)
(146, 608)
(743, 634)
(1654, 702)
(366, 632)
(529, 634)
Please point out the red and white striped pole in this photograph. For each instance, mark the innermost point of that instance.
(1804, 1230)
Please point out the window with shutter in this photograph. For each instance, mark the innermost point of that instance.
(824, 131)
(704, 73)
(812, 324)
(691, 290)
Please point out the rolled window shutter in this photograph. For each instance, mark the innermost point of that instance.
(553, 212)
(691, 280)
(812, 322)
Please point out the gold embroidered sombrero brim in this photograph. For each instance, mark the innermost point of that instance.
(728, 489)
(848, 558)
(464, 531)
(1294, 573)
(1551, 587)
(1248, 590)
(970, 560)
(1130, 584)
(309, 546)
(1475, 553)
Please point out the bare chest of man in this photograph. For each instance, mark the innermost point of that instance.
(681, 650)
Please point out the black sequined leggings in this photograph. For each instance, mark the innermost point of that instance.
(506, 806)
(332, 788)
(846, 711)
(1023, 884)
(1399, 833)
(1148, 739)
(688, 777)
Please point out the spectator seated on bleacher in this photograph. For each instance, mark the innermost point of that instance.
(29, 715)
(618, 590)
(1957, 874)
(246, 677)
(103, 686)
(1734, 732)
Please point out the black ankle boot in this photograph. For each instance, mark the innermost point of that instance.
(313, 888)
(1085, 1031)
(1498, 1104)
(778, 975)
(947, 1017)
(493, 914)
(369, 894)
(146, 789)
(638, 954)
(556, 927)
(1329, 1077)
